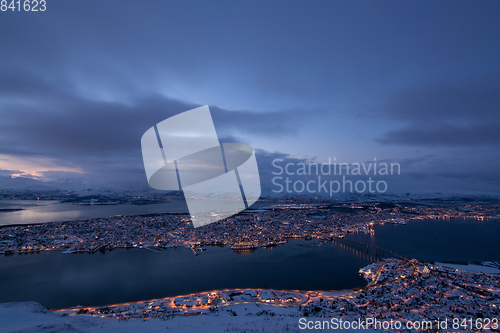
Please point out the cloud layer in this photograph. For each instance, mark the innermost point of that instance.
(417, 83)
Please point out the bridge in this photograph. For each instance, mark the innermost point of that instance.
(370, 249)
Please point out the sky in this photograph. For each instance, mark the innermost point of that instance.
(413, 82)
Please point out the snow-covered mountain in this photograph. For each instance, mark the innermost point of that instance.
(79, 187)
(33, 317)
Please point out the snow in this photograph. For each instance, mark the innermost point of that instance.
(471, 268)
(30, 317)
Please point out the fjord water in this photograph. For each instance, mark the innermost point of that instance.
(465, 240)
(59, 280)
(40, 211)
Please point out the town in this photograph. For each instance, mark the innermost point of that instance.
(268, 226)
(404, 292)
(398, 290)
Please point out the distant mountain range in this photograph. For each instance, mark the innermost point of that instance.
(62, 189)
(27, 188)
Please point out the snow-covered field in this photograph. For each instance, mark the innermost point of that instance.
(471, 268)
(30, 317)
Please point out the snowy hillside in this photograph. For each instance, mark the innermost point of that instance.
(31, 317)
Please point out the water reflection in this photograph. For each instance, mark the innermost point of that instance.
(62, 280)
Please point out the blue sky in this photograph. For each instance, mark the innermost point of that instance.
(417, 82)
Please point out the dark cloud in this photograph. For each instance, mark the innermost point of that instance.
(47, 120)
(43, 120)
(452, 112)
(4, 173)
(452, 98)
(442, 134)
(81, 82)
